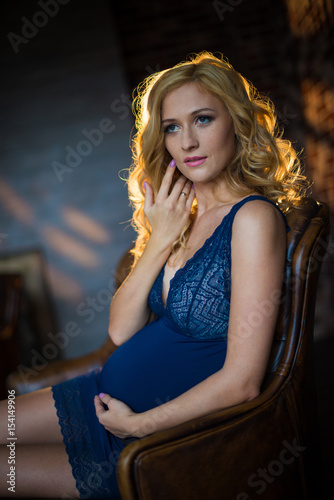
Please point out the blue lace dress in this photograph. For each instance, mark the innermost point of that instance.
(185, 344)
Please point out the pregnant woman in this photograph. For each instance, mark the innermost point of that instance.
(210, 182)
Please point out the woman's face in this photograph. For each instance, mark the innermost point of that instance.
(199, 132)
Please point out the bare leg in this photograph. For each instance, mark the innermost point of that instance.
(41, 462)
(41, 471)
(36, 420)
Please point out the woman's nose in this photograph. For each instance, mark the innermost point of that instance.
(189, 139)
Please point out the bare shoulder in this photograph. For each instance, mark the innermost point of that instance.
(258, 246)
(259, 216)
(258, 233)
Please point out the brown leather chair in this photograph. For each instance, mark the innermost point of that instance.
(267, 448)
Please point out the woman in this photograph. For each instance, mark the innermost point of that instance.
(210, 181)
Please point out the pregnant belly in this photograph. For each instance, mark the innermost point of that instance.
(158, 364)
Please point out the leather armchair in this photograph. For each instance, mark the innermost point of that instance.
(268, 446)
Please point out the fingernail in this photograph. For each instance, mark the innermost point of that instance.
(172, 163)
(145, 186)
(101, 395)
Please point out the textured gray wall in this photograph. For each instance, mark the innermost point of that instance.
(65, 132)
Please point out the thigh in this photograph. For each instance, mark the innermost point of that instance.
(41, 471)
(36, 420)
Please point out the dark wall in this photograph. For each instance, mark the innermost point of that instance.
(284, 47)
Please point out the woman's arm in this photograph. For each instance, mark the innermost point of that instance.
(129, 310)
(258, 258)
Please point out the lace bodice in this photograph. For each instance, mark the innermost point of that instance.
(198, 302)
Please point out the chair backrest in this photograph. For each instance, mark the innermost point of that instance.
(306, 249)
(291, 365)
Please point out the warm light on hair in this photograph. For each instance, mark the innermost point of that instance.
(263, 161)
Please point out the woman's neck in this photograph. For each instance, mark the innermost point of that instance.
(211, 196)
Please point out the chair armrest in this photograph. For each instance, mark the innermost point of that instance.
(30, 379)
(182, 462)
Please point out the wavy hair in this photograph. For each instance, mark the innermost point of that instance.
(263, 162)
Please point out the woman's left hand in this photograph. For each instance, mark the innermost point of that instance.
(118, 419)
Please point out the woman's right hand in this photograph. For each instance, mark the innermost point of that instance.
(169, 212)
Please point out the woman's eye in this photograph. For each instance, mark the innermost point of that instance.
(204, 119)
(170, 128)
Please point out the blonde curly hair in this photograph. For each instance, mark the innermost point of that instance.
(263, 162)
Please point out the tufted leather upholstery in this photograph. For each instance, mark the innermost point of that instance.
(268, 446)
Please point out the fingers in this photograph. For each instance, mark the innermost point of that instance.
(185, 189)
(164, 188)
(99, 402)
(181, 185)
(99, 408)
(184, 194)
(105, 398)
(167, 180)
(148, 202)
(168, 210)
(190, 198)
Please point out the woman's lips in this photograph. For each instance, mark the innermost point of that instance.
(194, 161)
